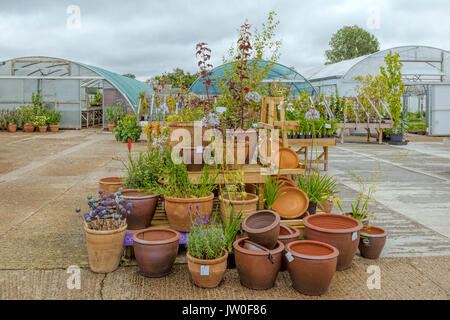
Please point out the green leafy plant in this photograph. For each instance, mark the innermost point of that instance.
(127, 128)
(360, 206)
(206, 240)
(232, 226)
(114, 113)
(98, 99)
(53, 117)
(271, 191)
(317, 187)
(39, 121)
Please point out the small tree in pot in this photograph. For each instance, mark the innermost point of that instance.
(113, 115)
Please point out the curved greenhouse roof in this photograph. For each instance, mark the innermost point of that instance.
(278, 73)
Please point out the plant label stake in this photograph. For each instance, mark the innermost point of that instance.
(354, 235)
(204, 270)
(289, 257)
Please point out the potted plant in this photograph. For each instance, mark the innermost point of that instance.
(206, 253)
(40, 121)
(272, 190)
(128, 128)
(98, 100)
(105, 228)
(53, 119)
(317, 187)
(113, 115)
(230, 228)
(27, 116)
(11, 121)
(360, 206)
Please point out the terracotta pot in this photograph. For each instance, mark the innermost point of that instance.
(263, 227)
(27, 128)
(12, 127)
(288, 182)
(214, 270)
(111, 126)
(110, 185)
(248, 206)
(42, 129)
(292, 204)
(258, 269)
(372, 242)
(142, 210)
(287, 235)
(288, 158)
(312, 267)
(177, 210)
(54, 127)
(326, 206)
(338, 230)
(155, 251)
(104, 249)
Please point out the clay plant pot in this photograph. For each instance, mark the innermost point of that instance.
(53, 127)
(288, 182)
(258, 269)
(292, 203)
(104, 249)
(287, 235)
(372, 242)
(248, 206)
(12, 127)
(213, 270)
(338, 230)
(312, 267)
(155, 251)
(110, 184)
(111, 126)
(142, 210)
(288, 158)
(263, 227)
(326, 206)
(177, 210)
(28, 128)
(42, 129)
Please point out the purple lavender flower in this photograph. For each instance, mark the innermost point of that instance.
(111, 195)
(100, 191)
(129, 205)
(105, 198)
(123, 211)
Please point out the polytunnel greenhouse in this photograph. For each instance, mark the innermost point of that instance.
(69, 87)
(278, 74)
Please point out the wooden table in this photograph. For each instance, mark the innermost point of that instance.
(91, 116)
(378, 126)
(304, 145)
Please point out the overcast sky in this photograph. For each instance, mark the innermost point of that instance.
(150, 37)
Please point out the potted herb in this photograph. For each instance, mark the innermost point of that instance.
(40, 121)
(53, 119)
(231, 227)
(316, 187)
(105, 225)
(128, 128)
(11, 120)
(27, 116)
(113, 115)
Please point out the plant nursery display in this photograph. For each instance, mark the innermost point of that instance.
(372, 242)
(127, 128)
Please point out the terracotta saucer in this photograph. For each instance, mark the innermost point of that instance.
(292, 204)
(288, 158)
(288, 182)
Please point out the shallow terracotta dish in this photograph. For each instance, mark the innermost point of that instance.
(288, 158)
(288, 182)
(292, 204)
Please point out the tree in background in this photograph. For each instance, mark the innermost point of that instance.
(129, 75)
(178, 78)
(351, 42)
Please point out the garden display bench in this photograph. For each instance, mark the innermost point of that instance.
(305, 144)
(91, 116)
(377, 126)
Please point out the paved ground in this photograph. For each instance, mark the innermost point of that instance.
(43, 177)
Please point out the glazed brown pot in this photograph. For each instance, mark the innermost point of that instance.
(177, 210)
(54, 127)
(287, 235)
(372, 242)
(248, 206)
(28, 128)
(338, 230)
(142, 210)
(12, 127)
(110, 185)
(42, 129)
(111, 126)
(104, 249)
(214, 270)
(263, 227)
(312, 267)
(258, 269)
(155, 251)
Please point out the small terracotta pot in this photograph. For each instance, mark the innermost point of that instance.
(337, 230)
(177, 210)
(312, 267)
(110, 185)
(27, 128)
(372, 242)
(263, 227)
(155, 251)
(42, 129)
(142, 209)
(54, 127)
(111, 126)
(248, 206)
(287, 235)
(258, 269)
(326, 206)
(12, 127)
(104, 249)
(214, 270)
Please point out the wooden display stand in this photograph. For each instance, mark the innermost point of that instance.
(379, 126)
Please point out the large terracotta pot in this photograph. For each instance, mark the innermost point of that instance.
(110, 185)
(312, 267)
(372, 242)
(155, 251)
(248, 206)
(142, 210)
(104, 249)
(263, 227)
(287, 235)
(177, 210)
(27, 128)
(212, 273)
(258, 269)
(12, 127)
(340, 231)
(54, 127)
(42, 129)
(111, 126)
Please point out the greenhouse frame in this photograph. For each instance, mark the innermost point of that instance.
(67, 86)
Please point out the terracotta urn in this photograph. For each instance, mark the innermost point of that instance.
(42, 129)
(287, 235)
(263, 227)
(207, 273)
(257, 268)
(339, 231)
(27, 128)
(372, 242)
(248, 206)
(155, 251)
(311, 266)
(142, 210)
(54, 127)
(110, 185)
(12, 127)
